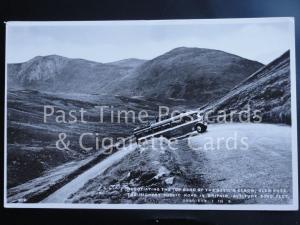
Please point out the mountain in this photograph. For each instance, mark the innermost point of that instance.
(60, 74)
(189, 73)
(192, 74)
(267, 90)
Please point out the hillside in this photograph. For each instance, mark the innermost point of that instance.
(267, 90)
(193, 74)
(59, 74)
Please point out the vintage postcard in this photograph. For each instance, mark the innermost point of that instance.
(169, 114)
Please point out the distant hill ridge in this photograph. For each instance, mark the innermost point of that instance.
(193, 74)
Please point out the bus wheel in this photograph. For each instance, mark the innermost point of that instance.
(200, 128)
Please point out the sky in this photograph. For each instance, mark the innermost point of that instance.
(260, 40)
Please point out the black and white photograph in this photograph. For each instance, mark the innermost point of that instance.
(193, 114)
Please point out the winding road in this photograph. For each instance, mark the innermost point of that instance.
(266, 162)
